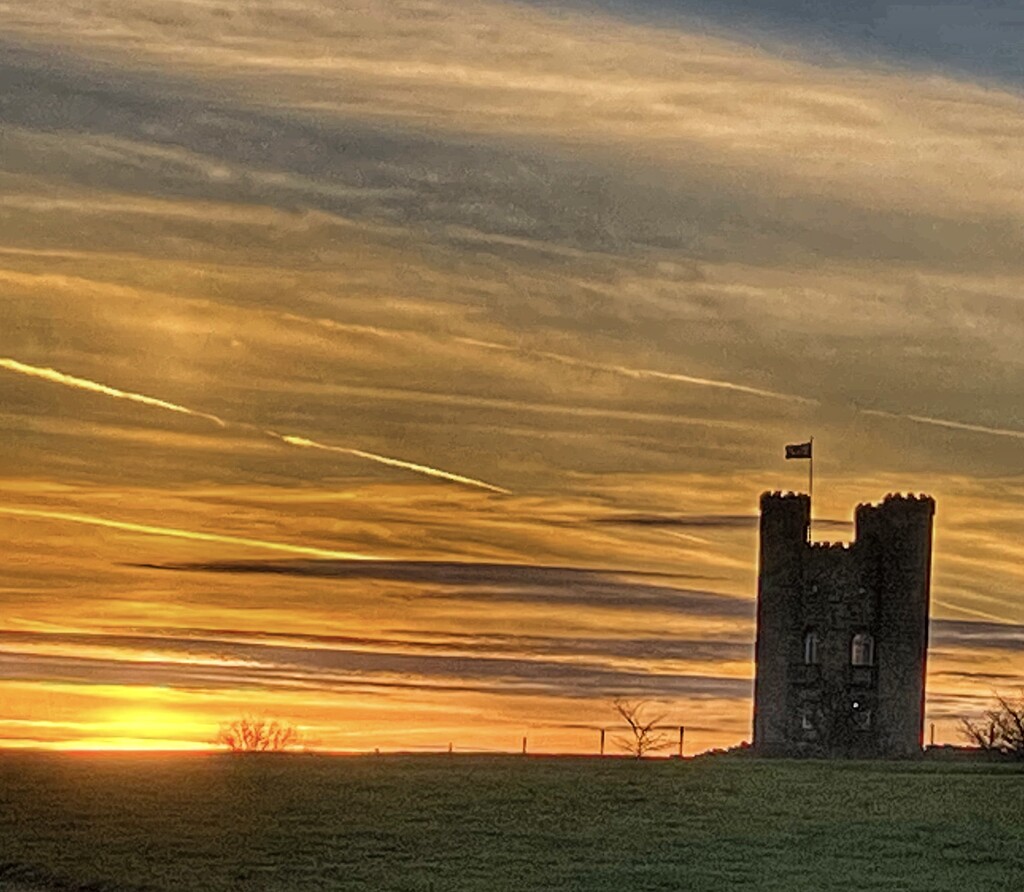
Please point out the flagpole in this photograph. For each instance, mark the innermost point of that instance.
(810, 493)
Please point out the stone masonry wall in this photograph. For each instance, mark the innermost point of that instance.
(877, 585)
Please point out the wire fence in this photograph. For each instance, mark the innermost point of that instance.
(669, 740)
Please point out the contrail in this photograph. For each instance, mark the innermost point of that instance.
(642, 373)
(713, 382)
(687, 537)
(739, 388)
(57, 377)
(95, 387)
(954, 425)
(393, 462)
(174, 533)
(970, 611)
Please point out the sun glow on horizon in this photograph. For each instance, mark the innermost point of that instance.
(419, 390)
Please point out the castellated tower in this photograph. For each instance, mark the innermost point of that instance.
(842, 631)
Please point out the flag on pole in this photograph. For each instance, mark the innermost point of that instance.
(798, 450)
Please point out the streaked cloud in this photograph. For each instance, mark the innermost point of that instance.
(977, 635)
(591, 267)
(508, 583)
(189, 664)
(183, 534)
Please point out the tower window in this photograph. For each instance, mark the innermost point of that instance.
(811, 649)
(862, 650)
(807, 718)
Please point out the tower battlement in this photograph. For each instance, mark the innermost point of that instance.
(770, 498)
(894, 514)
(842, 629)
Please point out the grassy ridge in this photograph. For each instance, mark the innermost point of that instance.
(109, 823)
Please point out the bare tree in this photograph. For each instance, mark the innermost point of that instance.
(644, 733)
(1001, 728)
(251, 734)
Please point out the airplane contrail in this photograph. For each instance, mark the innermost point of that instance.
(393, 462)
(66, 380)
(193, 535)
(970, 611)
(629, 372)
(740, 388)
(942, 422)
(95, 387)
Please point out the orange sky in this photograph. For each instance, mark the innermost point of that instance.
(412, 374)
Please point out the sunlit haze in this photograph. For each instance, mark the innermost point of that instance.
(410, 371)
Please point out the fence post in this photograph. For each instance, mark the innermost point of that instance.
(602, 741)
(682, 731)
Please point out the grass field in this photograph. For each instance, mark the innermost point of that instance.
(105, 823)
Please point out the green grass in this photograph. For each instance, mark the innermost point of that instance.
(505, 823)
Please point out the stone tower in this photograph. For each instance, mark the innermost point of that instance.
(842, 631)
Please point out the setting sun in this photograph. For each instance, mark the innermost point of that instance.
(422, 394)
(149, 729)
(480, 445)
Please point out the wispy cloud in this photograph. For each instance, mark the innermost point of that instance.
(222, 665)
(194, 535)
(489, 583)
(588, 79)
(242, 649)
(967, 611)
(710, 521)
(969, 635)
(606, 266)
(723, 521)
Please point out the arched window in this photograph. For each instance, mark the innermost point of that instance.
(811, 648)
(807, 718)
(862, 650)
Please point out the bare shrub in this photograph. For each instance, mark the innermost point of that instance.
(644, 734)
(252, 734)
(1000, 729)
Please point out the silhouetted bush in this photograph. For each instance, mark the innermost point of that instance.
(250, 734)
(644, 734)
(1000, 730)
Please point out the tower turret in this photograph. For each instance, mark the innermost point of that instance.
(785, 520)
(897, 537)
